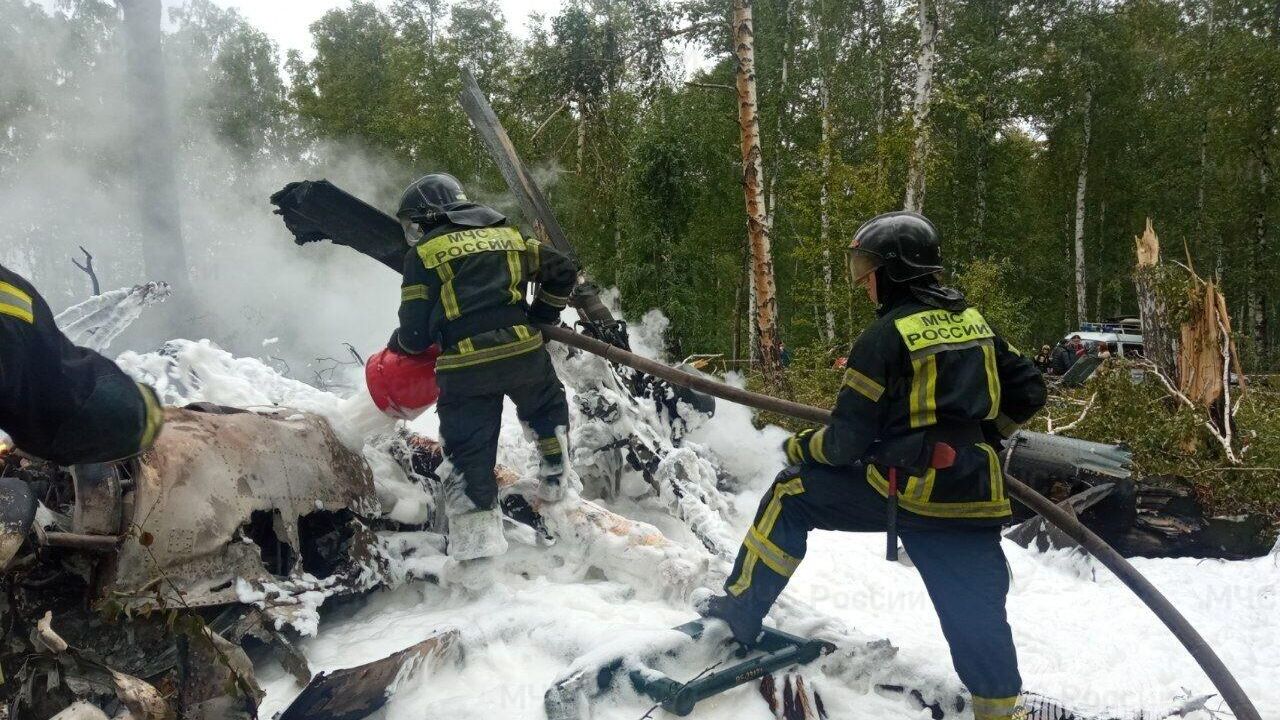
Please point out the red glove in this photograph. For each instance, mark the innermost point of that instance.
(402, 386)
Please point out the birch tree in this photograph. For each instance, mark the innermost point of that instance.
(764, 293)
(1082, 186)
(928, 15)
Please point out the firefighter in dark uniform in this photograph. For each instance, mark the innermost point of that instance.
(61, 402)
(930, 391)
(465, 288)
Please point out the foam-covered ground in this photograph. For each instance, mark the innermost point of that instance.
(1082, 636)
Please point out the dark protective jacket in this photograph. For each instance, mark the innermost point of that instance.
(465, 287)
(946, 372)
(61, 402)
(1062, 358)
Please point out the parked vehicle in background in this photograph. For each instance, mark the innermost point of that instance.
(1123, 334)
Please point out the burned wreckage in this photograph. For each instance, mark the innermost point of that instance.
(150, 588)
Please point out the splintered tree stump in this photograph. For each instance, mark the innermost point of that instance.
(1159, 339)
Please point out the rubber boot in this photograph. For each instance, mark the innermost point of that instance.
(744, 625)
(476, 534)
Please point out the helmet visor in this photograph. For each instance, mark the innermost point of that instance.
(861, 264)
(412, 233)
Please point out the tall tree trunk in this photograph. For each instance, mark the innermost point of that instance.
(1261, 226)
(1202, 175)
(582, 134)
(925, 62)
(1260, 277)
(1082, 186)
(780, 124)
(737, 322)
(163, 253)
(881, 68)
(753, 328)
(987, 132)
(762, 276)
(1159, 330)
(824, 211)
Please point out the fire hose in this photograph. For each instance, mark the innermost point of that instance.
(1209, 662)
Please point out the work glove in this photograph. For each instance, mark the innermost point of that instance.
(797, 447)
(544, 314)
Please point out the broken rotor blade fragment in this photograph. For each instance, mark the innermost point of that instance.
(1036, 530)
(521, 183)
(315, 210)
(356, 692)
(503, 152)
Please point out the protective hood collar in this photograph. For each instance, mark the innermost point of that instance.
(940, 296)
(469, 214)
(926, 290)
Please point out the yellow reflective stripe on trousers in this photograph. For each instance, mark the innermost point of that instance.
(768, 518)
(772, 555)
(994, 708)
(993, 378)
(413, 292)
(863, 384)
(447, 295)
(517, 277)
(489, 354)
(466, 347)
(924, 386)
(550, 446)
(15, 302)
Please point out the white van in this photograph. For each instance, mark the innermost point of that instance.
(1124, 335)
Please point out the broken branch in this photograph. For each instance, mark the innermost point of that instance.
(1071, 425)
(87, 267)
(538, 132)
(1207, 422)
(711, 86)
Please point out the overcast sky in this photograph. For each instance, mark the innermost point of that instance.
(287, 21)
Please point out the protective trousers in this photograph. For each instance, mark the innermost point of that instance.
(470, 408)
(963, 568)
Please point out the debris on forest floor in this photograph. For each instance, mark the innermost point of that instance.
(301, 519)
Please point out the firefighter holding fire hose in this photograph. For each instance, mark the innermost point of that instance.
(930, 392)
(464, 296)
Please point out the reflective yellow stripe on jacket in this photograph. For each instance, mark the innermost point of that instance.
(15, 303)
(468, 356)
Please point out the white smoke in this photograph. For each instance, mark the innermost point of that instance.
(66, 181)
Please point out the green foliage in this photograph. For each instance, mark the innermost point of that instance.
(987, 285)
(1129, 407)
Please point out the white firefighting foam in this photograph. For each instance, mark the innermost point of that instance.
(1082, 636)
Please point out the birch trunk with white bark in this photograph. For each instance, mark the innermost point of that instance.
(925, 63)
(762, 275)
(824, 210)
(1082, 187)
